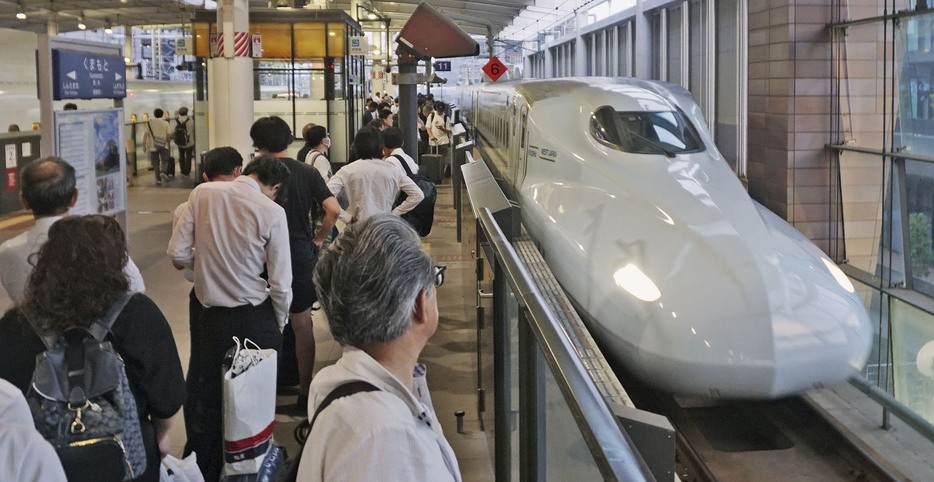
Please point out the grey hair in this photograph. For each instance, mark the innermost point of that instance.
(369, 279)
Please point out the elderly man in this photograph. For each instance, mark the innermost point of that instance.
(48, 189)
(377, 286)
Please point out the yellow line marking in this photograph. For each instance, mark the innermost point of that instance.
(15, 220)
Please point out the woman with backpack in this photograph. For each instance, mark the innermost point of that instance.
(78, 278)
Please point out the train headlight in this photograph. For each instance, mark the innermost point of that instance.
(838, 275)
(633, 280)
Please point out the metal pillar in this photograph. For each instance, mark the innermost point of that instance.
(230, 105)
(407, 106)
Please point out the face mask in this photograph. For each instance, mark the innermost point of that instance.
(326, 142)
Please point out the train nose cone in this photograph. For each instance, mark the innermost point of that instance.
(750, 318)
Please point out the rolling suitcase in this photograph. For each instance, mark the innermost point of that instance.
(431, 167)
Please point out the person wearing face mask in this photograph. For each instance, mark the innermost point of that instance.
(320, 140)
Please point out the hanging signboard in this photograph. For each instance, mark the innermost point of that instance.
(184, 46)
(80, 75)
(358, 46)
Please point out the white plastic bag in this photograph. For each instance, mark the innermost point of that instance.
(184, 470)
(249, 408)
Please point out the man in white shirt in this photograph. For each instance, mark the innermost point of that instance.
(47, 188)
(439, 133)
(371, 184)
(392, 150)
(156, 138)
(186, 150)
(221, 164)
(229, 233)
(377, 287)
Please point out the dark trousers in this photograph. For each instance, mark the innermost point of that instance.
(194, 379)
(160, 161)
(218, 326)
(184, 159)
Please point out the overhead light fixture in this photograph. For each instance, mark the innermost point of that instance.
(331, 33)
(81, 25)
(21, 15)
(108, 29)
(371, 16)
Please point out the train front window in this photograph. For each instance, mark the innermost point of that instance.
(665, 132)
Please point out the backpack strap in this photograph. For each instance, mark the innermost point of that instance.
(405, 165)
(101, 327)
(341, 391)
(49, 339)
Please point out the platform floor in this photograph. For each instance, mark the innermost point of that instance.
(450, 356)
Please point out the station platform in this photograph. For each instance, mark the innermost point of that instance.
(450, 356)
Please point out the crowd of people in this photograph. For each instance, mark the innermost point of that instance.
(260, 244)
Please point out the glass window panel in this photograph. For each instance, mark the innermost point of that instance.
(727, 85)
(310, 40)
(697, 30)
(920, 186)
(862, 189)
(913, 357)
(674, 45)
(277, 39)
(915, 128)
(566, 455)
(335, 40)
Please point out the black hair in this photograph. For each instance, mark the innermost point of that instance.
(369, 143)
(271, 134)
(71, 106)
(315, 135)
(47, 185)
(268, 169)
(221, 161)
(183, 111)
(392, 138)
(384, 113)
(158, 113)
(440, 107)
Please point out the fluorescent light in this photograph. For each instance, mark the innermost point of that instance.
(81, 25)
(633, 280)
(371, 16)
(21, 15)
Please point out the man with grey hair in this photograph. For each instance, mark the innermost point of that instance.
(377, 287)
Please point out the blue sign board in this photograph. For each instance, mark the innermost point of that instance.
(442, 66)
(78, 75)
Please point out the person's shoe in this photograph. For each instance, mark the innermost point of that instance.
(158, 183)
(164, 177)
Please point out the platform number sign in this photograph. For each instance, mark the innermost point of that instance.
(494, 68)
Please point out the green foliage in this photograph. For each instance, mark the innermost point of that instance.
(919, 236)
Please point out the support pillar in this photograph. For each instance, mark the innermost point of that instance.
(408, 88)
(230, 104)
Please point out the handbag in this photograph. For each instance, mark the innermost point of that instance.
(249, 407)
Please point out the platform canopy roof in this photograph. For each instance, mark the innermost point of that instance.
(475, 16)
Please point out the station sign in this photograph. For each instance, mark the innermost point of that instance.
(494, 68)
(442, 66)
(184, 46)
(79, 75)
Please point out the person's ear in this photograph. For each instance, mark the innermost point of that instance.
(22, 200)
(205, 177)
(420, 313)
(74, 199)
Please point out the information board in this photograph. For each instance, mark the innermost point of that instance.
(79, 75)
(92, 142)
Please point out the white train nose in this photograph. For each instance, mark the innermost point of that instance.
(753, 329)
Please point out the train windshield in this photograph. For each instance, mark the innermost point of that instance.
(664, 132)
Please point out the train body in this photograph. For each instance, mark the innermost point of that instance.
(681, 277)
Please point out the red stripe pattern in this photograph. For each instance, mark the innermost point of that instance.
(238, 445)
(242, 44)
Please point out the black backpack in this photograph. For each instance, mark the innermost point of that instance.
(421, 217)
(82, 404)
(180, 136)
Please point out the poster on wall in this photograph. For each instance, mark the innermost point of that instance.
(92, 142)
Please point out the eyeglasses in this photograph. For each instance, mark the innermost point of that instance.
(439, 274)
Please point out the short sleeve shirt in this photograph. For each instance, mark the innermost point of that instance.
(305, 186)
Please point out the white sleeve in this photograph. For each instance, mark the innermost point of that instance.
(182, 244)
(134, 277)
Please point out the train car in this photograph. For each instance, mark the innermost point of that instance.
(681, 277)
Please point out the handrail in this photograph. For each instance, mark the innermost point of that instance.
(609, 444)
(879, 152)
(906, 414)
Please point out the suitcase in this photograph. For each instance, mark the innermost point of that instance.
(432, 167)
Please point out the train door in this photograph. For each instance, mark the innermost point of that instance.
(522, 156)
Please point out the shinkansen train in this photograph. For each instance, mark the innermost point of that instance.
(681, 277)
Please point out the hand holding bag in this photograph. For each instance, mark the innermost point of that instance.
(249, 407)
